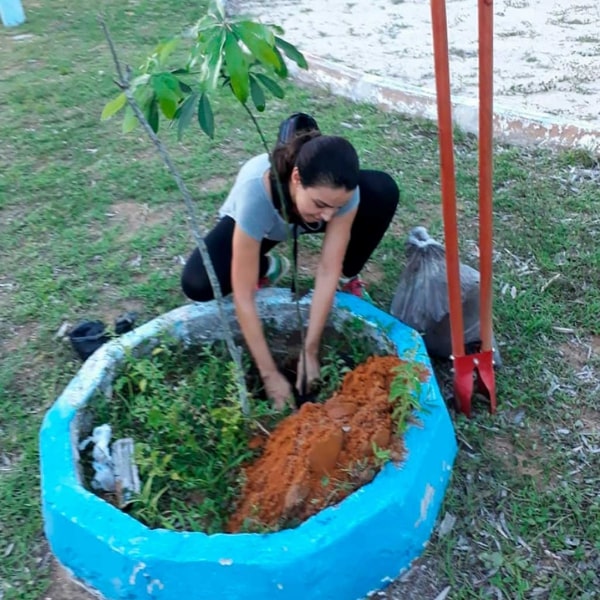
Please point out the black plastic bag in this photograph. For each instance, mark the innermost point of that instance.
(87, 336)
(421, 298)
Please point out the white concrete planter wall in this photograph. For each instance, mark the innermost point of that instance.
(341, 553)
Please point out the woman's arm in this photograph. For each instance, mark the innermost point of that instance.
(244, 279)
(329, 270)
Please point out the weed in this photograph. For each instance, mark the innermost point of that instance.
(253, 524)
(361, 470)
(333, 371)
(405, 393)
(462, 52)
(381, 456)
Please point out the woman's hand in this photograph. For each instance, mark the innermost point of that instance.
(312, 368)
(278, 389)
(244, 273)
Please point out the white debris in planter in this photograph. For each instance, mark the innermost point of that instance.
(127, 480)
(104, 478)
(115, 471)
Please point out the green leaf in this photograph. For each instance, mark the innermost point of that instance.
(155, 417)
(205, 116)
(291, 52)
(258, 30)
(259, 48)
(166, 85)
(140, 80)
(143, 96)
(257, 94)
(165, 49)
(282, 70)
(237, 68)
(129, 120)
(271, 85)
(213, 59)
(168, 107)
(152, 114)
(114, 106)
(184, 87)
(276, 28)
(185, 113)
(206, 35)
(207, 22)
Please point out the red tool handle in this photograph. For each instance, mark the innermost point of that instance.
(442, 82)
(486, 125)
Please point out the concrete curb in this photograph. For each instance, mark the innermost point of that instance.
(509, 126)
(342, 553)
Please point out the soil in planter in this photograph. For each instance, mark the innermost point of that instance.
(321, 454)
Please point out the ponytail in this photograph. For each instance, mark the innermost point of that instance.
(283, 158)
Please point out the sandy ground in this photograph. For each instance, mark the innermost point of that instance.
(547, 52)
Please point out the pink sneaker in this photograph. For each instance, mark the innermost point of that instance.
(356, 287)
(279, 267)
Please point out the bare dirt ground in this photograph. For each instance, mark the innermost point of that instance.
(546, 52)
(64, 588)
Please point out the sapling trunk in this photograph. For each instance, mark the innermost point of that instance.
(234, 350)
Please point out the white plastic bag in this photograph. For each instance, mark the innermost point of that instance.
(104, 477)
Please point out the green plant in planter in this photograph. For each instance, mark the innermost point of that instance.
(381, 455)
(333, 370)
(245, 57)
(191, 434)
(405, 393)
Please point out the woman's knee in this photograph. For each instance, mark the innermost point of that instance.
(194, 279)
(195, 292)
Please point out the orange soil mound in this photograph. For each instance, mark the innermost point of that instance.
(321, 454)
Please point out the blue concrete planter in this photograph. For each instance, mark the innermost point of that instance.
(342, 553)
(11, 13)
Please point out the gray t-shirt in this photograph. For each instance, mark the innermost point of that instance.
(250, 206)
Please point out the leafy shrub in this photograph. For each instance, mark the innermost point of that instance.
(191, 435)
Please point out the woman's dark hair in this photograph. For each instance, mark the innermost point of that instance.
(325, 160)
(294, 125)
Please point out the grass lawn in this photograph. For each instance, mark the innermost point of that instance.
(91, 225)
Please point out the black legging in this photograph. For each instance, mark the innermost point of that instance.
(378, 200)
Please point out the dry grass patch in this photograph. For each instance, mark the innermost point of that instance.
(131, 217)
(526, 459)
(18, 336)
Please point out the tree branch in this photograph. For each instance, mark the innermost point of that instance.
(234, 350)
